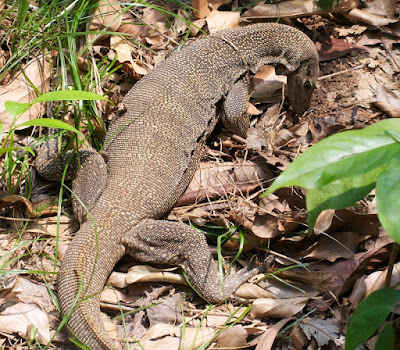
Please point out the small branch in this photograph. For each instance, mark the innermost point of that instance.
(341, 72)
(392, 259)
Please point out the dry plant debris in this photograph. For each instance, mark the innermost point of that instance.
(314, 281)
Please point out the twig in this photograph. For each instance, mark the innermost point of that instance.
(341, 72)
(392, 259)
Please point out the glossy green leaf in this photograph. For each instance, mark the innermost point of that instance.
(325, 4)
(386, 338)
(339, 194)
(67, 95)
(369, 315)
(14, 109)
(387, 198)
(346, 154)
(50, 123)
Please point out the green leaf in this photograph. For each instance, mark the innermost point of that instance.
(50, 123)
(339, 194)
(16, 108)
(387, 198)
(325, 4)
(369, 315)
(386, 338)
(346, 154)
(67, 95)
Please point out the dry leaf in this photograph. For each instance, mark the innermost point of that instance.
(149, 17)
(168, 337)
(123, 49)
(201, 9)
(112, 296)
(232, 338)
(212, 180)
(333, 48)
(20, 317)
(108, 16)
(166, 310)
(358, 15)
(51, 226)
(19, 203)
(267, 226)
(266, 341)
(277, 308)
(217, 20)
(38, 71)
(267, 85)
(334, 246)
(117, 279)
(324, 221)
(142, 273)
(364, 286)
(321, 330)
(252, 291)
(295, 8)
(388, 101)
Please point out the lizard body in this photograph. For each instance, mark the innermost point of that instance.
(153, 151)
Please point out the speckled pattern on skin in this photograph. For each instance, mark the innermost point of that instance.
(153, 151)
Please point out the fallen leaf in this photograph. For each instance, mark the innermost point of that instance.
(232, 338)
(115, 297)
(295, 8)
(123, 49)
(38, 73)
(252, 291)
(142, 27)
(364, 286)
(266, 84)
(267, 226)
(166, 310)
(321, 330)
(277, 308)
(388, 101)
(360, 15)
(142, 273)
(213, 180)
(334, 246)
(108, 15)
(384, 8)
(333, 48)
(266, 341)
(117, 279)
(20, 204)
(52, 226)
(201, 9)
(217, 20)
(20, 317)
(168, 337)
(324, 221)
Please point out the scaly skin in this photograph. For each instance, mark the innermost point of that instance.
(153, 150)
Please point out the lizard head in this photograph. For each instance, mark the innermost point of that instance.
(301, 84)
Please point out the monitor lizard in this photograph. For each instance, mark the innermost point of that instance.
(153, 151)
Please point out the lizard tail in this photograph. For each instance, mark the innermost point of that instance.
(84, 271)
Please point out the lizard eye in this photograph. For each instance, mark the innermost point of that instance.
(307, 84)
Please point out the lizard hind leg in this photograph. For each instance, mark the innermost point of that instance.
(175, 243)
(86, 168)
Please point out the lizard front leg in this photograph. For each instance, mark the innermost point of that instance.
(234, 114)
